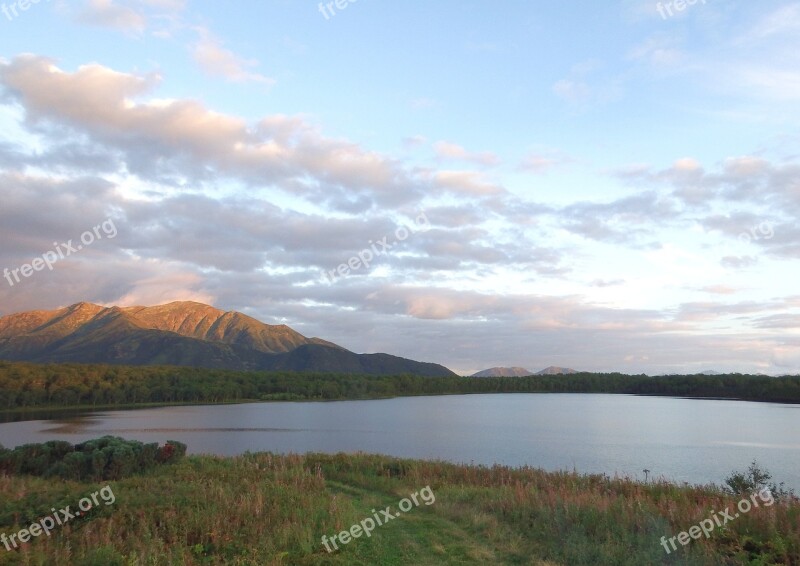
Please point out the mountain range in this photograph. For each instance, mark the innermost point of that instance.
(521, 372)
(184, 334)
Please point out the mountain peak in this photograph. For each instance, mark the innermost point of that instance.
(82, 306)
(503, 372)
(183, 333)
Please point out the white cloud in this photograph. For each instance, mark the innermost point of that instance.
(540, 163)
(107, 13)
(782, 20)
(215, 60)
(466, 183)
(165, 138)
(575, 92)
(447, 150)
(659, 51)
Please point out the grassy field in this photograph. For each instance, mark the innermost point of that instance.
(263, 509)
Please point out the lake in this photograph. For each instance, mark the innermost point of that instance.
(692, 440)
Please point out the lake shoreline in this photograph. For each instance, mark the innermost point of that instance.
(84, 409)
(681, 439)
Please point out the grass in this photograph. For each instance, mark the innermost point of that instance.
(267, 509)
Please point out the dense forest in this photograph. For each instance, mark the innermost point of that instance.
(28, 385)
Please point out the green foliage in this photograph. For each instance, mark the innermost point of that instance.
(267, 509)
(172, 451)
(106, 458)
(27, 385)
(753, 480)
(103, 556)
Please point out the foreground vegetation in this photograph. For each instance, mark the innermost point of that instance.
(263, 509)
(37, 386)
(106, 458)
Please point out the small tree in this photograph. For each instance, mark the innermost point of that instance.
(753, 480)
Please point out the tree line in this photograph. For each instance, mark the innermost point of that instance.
(29, 385)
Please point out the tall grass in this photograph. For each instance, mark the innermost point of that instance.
(266, 509)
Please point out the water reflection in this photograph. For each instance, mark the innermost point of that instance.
(698, 441)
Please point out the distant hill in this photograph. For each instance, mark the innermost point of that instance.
(503, 372)
(521, 372)
(553, 370)
(184, 334)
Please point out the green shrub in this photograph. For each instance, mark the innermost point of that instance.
(106, 458)
(103, 556)
(755, 479)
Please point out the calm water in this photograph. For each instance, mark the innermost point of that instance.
(681, 439)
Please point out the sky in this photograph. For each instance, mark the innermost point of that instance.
(606, 186)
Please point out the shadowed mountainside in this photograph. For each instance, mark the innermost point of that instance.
(186, 334)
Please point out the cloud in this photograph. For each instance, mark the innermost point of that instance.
(447, 150)
(607, 283)
(751, 195)
(107, 13)
(166, 5)
(738, 262)
(538, 163)
(166, 286)
(215, 60)
(574, 92)
(541, 163)
(784, 20)
(470, 183)
(181, 141)
(587, 85)
(415, 141)
(770, 82)
(659, 51)
(249, 213)
(132, 17)
(756, 68)
(719, 290)
(623, 221)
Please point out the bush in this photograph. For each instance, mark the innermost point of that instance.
(753, 480)
(106, 458)
(171, 452)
